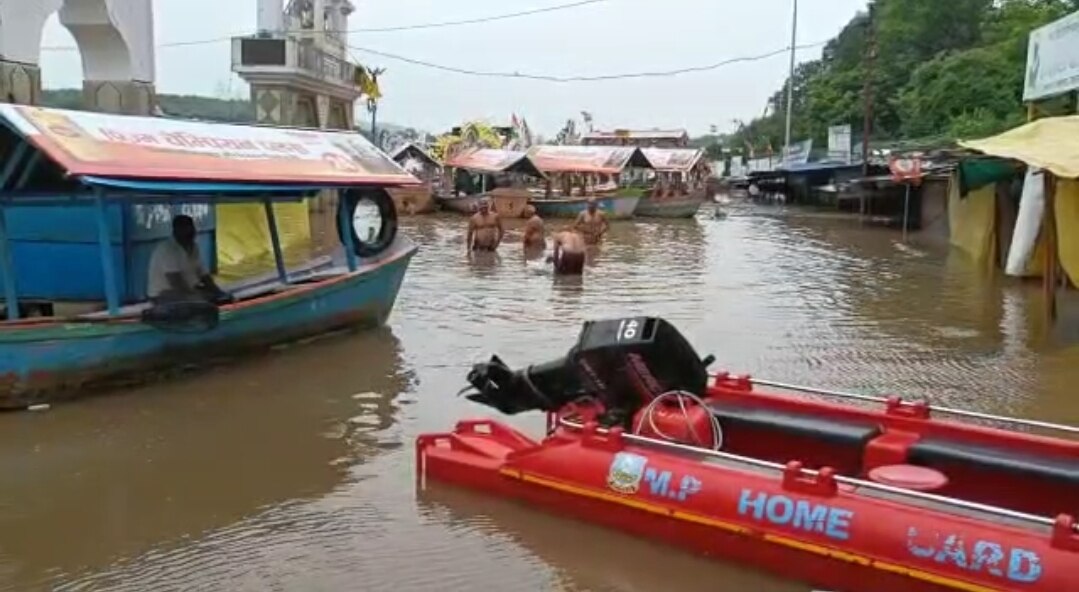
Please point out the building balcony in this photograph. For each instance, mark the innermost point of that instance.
(294, 62)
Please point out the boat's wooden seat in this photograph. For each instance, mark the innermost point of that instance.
(943, 453)
(855, 434)
(249, 288)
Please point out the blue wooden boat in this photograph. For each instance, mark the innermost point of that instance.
(103, 166)
(616, 207)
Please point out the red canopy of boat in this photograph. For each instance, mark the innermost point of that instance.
(494, 160)
(89, 144)
(673, 159)
(608, 160)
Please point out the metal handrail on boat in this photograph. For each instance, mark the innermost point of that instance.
(944, 410)
(927, 497)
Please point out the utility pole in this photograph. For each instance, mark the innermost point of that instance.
(372, 105)
(871, 58)
(372, 108)
(790, 83)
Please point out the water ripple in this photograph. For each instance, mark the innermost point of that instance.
(795, 298)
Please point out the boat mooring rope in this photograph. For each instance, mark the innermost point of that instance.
(649, 413)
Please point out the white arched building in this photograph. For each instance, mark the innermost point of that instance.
(115, 39)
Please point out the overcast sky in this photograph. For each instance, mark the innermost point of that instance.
(608, 37)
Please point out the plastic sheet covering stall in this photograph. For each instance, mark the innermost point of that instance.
(244, 248)
(1053, 144)
(972, 221)
(1027, 254)
(1067, 212)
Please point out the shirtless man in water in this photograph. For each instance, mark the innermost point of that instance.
(592, 224)
(484, 229)
(569, 250)
(534, 232)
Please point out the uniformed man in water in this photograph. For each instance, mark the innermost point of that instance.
(592, 223)
(534, 234)
(176, 271)
(485, 230)
(569, 253)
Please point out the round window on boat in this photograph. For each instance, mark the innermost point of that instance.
(372, 220)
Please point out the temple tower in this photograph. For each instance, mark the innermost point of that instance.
(300, 75)
(297, 64)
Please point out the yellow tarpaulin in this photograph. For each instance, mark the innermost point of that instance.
(972, 222)
(1067, 212)
(244, 248)
(1036, 265)
(1051, 143)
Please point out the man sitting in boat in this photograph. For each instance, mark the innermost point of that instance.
(592, 224)
(534, 238)
(484, 229)
(569, 253)
(176, 271)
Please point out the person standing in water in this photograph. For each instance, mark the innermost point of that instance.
(534, 235)
(592, 224)
(569, 253)
(485, 230)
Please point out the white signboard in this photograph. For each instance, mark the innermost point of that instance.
(738, 169)
(839, 144)
(762, 165)
(797, 153)
(1053, 59)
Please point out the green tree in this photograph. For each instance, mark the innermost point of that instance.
(941, 68)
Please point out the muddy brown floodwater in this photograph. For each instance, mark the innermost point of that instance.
(293, 470)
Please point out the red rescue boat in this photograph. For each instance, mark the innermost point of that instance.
(854, 494)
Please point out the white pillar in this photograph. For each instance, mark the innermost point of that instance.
(271, 16)
(320, 15)
(116, 41)
(21, 25)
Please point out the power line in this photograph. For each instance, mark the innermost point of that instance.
(549, 78)
(485, 19)
(434, 25)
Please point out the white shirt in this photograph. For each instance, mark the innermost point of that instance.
(170, 257)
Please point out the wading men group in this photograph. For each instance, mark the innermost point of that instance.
(485, 233)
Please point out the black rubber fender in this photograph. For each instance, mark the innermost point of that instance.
(387, 232)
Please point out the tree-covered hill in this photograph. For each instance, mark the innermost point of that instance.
(942, 69)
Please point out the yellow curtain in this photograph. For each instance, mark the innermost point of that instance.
(1067, 213)
(244, 248)
(972, 222)
(1036, 265)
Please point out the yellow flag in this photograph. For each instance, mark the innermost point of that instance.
(367, 83)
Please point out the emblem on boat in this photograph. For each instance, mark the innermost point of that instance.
(626, 472)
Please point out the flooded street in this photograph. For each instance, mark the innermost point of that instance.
(294, 470)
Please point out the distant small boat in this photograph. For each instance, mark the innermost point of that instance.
(679, 206)
(410, 201)
(506, 202)
(462, 204)
(616, 207)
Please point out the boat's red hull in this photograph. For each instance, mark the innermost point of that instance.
(831, 535)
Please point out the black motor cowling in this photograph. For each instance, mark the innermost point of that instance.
(622, 362)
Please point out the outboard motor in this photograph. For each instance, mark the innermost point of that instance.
(623, 363)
